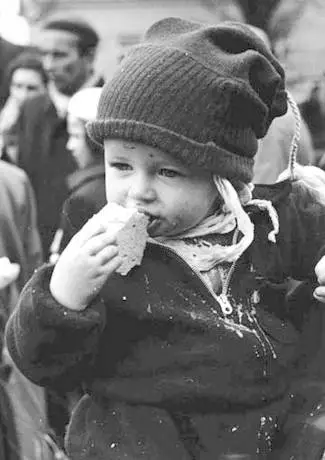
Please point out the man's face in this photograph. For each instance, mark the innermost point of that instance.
(66, 68)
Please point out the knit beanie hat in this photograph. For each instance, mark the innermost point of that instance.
(203, 94)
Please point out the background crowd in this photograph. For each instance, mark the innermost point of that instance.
(52, 181)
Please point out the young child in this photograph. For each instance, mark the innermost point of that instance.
(87, 184)
(191, 355)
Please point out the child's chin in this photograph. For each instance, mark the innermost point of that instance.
(158, 228)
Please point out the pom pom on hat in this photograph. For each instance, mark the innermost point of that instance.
(202, 93)
(84, 103)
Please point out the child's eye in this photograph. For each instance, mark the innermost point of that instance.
(120, 166)
(169, 172)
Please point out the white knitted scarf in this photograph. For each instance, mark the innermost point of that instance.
(205, 256)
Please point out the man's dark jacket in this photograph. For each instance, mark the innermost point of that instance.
(44, 156)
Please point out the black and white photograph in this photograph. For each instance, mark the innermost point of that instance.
(162, 229)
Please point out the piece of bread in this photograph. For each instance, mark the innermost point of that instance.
(130, 227)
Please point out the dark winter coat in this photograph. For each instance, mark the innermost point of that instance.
(167, 376)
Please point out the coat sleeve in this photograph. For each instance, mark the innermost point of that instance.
(52, 345)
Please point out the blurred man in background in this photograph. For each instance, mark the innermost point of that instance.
(68, 49)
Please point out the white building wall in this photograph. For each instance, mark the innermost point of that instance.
(121, 21)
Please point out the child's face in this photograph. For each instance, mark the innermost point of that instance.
(176, 198)
(77, 142)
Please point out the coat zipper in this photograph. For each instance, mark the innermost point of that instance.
(222, 299)
(225, 305)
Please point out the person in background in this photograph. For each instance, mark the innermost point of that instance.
(87, 190)
(190, 355)
(27, 78)
(9, 443)
(68, 49)
(87, 184)
(19, 236)
(274, 149)
(20, 244)
(313, 111)
(8, 51)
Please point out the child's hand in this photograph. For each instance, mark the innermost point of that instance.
(9, 272)
(319, 292)
(84, 266)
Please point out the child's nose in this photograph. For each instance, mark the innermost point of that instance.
(142, 188)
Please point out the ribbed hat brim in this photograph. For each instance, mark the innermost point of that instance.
(209, 156)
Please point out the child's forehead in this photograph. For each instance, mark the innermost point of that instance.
(119, 147)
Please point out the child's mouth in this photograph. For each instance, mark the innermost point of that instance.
(153, 223)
